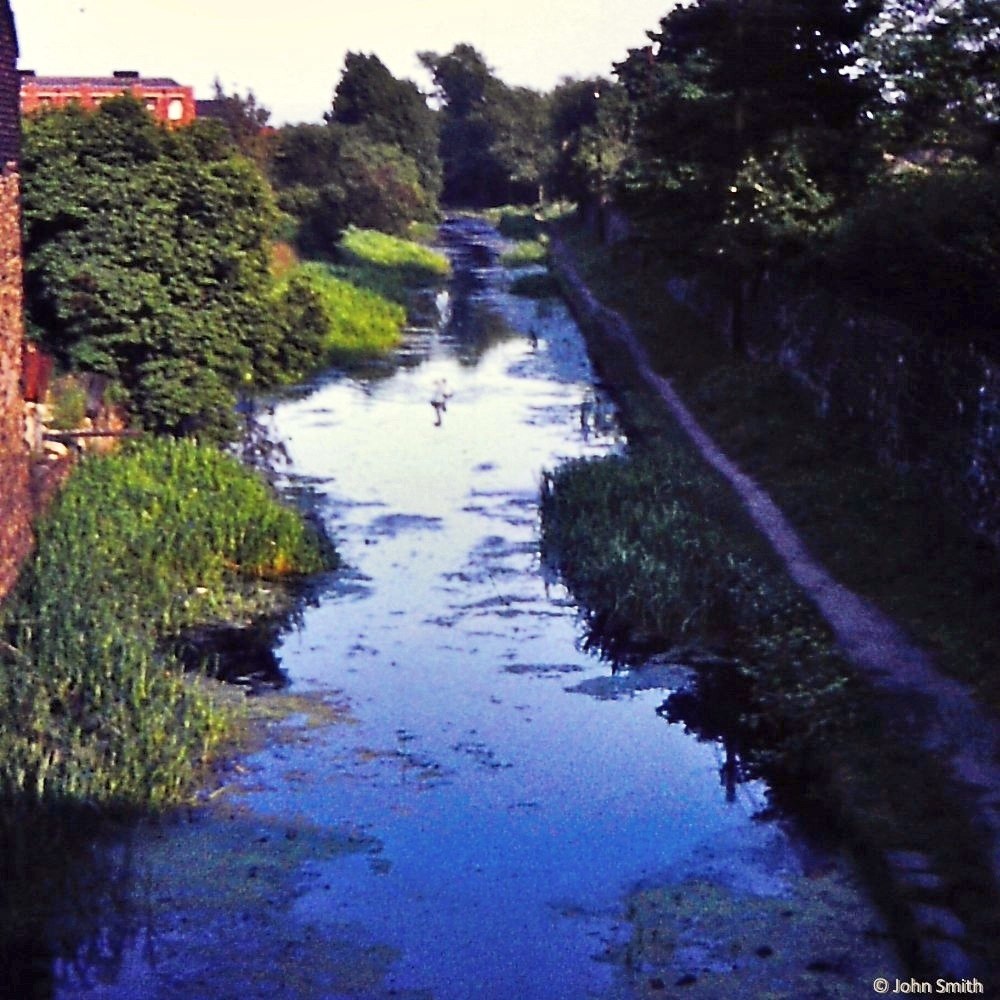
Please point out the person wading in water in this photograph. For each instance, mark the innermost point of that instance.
(440, 399)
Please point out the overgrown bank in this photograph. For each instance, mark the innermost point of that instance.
(658, 550)
(880, 532)
(95, 708)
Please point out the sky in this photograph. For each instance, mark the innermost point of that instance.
(290, 52)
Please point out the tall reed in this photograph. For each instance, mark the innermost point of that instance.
(137, 546)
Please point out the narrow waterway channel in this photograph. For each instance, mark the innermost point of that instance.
(482, 809)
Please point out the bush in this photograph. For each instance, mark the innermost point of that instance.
(926, 245)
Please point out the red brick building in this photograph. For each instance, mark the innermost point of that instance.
(167, 100)
(16, 506)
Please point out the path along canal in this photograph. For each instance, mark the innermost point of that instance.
(470, 804)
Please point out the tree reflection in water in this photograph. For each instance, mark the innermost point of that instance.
(66, 912)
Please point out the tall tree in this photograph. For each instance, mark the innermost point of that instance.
(936, 64)
(147, 254)
(743, 108)
(391, 112)
(495, 144)
(245, 120)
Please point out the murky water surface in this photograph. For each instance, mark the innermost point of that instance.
(502, 793)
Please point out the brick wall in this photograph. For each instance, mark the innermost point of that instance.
(16, 505)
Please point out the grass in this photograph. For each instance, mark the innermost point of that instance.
(358, 321)
(880, 532)
(525, 222)
(525, 253)
(94, 710)
(388, 265)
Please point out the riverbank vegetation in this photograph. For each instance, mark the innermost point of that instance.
(878, 530)
(666, 563)
(392, 267)
(150, 259)
(354, 321)
(95, 709)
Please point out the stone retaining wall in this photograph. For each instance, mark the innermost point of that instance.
(926, 405)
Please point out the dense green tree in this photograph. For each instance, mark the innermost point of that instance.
(745, 130)
(936, 64)
(333, 176)
(391, 112)
(374, 164)
(147, 259)
(573, 110)
(522, 145)
(495, 140)
(245, 120)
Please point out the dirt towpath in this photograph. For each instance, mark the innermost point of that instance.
(950, 721)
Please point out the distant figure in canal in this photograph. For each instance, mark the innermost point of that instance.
(588, 406)
(533, 338)
(439, 400)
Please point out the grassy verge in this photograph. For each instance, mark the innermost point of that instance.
(356, 322)
(388, 265)
(879, 532)
(525, 253)
(138, 546)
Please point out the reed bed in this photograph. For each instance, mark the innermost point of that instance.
(94, 708)
(659, 556)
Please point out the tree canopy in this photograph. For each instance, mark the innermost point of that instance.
(374, 163)
(147, 259)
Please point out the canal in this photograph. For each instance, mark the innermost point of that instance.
(466, 802)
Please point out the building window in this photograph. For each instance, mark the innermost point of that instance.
(175, 109)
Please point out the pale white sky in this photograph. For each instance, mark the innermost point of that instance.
(290, 52)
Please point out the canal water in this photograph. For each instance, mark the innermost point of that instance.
(467, 801)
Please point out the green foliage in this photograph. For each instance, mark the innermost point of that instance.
(331, 177)
(390, 112)
(742, 100)
(136, 547)
(69, 404)
(368, 247)
(925, 245)
(245, 121)
(147, 259)
(525, 253)
(877, 530)
(354, 321)
(374, 164)
(657, 553)
(934, 63)
(495, 144)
